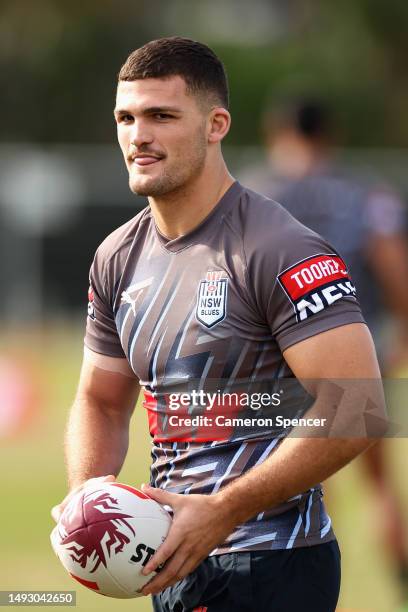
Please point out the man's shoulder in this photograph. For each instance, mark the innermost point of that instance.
(120, 240)
(266, 223)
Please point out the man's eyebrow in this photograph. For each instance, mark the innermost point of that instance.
(151, 110)
(161, 109)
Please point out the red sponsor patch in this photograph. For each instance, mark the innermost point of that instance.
(316, 282)
(311, 273)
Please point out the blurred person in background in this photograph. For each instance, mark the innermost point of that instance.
(365, 222)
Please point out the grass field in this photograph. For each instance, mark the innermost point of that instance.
(33, 480)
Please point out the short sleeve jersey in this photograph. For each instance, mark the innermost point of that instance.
(221, 302)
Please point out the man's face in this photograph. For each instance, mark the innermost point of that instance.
(162, 134)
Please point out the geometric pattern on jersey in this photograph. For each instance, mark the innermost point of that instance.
(145, 301)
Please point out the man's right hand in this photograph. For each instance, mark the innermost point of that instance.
(56, 511)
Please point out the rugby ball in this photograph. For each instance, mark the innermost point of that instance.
(105, 536)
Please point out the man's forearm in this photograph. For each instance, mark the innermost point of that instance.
(297, 465)
(204, 522)
(303, 460)
(96, 441)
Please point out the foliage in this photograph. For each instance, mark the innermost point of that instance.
(60, 59)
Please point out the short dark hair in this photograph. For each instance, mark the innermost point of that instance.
(202, 71)
(308, 116)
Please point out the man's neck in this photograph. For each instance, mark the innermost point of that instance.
(179, 212)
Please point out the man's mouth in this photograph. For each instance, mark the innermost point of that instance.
(145, 160)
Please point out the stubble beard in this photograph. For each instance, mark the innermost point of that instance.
(177, 177)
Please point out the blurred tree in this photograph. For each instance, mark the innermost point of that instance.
(59, 59)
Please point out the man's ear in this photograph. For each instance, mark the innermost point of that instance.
(219, 123)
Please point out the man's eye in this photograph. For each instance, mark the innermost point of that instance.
(162, 116)
(125, 118)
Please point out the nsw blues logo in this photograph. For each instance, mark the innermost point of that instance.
(212, 299)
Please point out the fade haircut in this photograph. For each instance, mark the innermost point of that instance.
(202, 71)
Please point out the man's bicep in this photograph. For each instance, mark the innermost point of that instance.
(339, 369)
(346, 351)
(109, 381)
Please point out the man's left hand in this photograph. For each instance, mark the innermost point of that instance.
(200, 524)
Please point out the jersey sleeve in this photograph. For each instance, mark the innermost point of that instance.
(101, 333)
(302, 285)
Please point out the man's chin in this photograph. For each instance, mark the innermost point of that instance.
(150, 187)
(142, 188)
(140, 191)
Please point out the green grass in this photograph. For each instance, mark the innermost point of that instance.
(33, 480)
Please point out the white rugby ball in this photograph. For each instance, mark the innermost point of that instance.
(105, 536)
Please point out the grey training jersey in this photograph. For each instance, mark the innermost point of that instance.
(219, 304)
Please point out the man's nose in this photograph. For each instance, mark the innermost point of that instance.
(141, 134)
